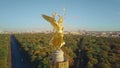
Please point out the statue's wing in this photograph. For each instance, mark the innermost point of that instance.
(51, 20)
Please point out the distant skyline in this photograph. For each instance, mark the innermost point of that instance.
(91, 15)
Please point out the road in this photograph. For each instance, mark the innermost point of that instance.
(79, 56)
(17, 59)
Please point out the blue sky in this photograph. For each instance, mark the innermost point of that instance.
(93, 15)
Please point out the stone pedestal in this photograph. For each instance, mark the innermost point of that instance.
(57, 60)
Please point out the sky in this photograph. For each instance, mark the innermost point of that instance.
(91, 15)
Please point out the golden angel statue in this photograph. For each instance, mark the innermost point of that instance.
(57, 40)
